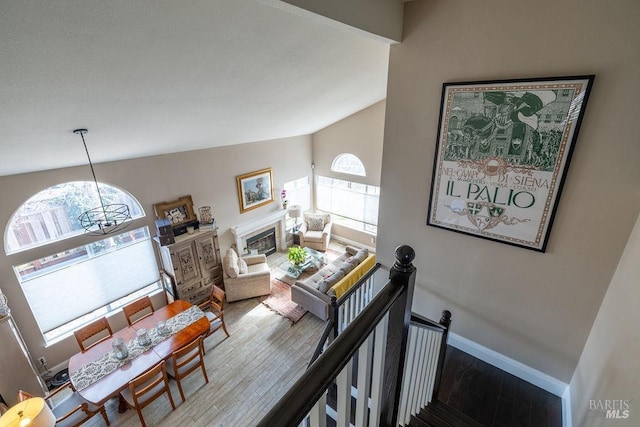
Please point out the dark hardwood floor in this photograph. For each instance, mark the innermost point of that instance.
(495, 398)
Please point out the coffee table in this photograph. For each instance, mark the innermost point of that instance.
(314, 259)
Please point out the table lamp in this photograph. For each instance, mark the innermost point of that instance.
(295, 211)
(32, 412)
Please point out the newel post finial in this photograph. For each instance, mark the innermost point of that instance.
(445, 320)
(404, 257)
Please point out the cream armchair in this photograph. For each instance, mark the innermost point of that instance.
(315, 231)
(245, 277)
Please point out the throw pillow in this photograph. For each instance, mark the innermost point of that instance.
(315, 223)
(325, 284)
(242, 266)
(361, 255)
(347, 266)
(231, 263)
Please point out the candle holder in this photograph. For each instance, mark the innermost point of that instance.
(120, 349)
(161, 327)
(143, 337)
(205, 215)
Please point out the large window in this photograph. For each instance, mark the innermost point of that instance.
(351, 204)
(68, 288)
(298, 193)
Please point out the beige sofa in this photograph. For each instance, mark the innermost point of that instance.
(336, 278)
(245, 277)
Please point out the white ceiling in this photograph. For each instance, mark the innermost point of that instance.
(148, 77)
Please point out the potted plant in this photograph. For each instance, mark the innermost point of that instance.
(296, 255)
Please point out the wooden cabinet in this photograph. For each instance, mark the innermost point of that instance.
(194, 264)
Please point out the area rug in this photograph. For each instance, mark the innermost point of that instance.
(280, 298)
(280, 301)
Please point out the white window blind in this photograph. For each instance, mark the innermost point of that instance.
(348, 199)
(65, 294)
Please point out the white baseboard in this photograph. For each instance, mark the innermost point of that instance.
(350, 242)
(520, 370)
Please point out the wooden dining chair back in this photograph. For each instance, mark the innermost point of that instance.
(214, 310)
(138, 310)
(146, 388)
(69, 408)
(186, 360)
(93, 333)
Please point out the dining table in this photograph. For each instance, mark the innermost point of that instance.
(99, 390)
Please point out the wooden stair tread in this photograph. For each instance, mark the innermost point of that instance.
(438, 414)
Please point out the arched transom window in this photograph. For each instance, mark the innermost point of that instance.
(348, 163)
(53, 214)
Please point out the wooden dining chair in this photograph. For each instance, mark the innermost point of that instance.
(186, 360)
(146, 388)
(135, 311)
(214, 310)
(69, 408)
(95, 332)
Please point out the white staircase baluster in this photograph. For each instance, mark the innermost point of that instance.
(318, 414)
(343, 397)
(379, 352)
(365, 354)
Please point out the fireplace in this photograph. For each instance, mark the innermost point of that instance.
(264, 243)
(273, 221)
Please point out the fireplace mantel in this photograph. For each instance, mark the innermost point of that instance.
(246, 229)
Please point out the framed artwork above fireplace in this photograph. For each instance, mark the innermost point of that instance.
(255, 189)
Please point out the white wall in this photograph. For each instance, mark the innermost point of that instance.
(361, 134)
(608, 369)
(536, 308)
(209, 176)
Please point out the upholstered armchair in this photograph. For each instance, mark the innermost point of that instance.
(315, 231)
(245, 277)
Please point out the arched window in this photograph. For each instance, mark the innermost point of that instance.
(348, 163)
(71, 285)
(52, 214)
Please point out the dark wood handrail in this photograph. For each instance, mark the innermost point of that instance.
(298, 401)
(291, 409)
(423, 322)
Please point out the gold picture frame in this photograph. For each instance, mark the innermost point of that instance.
(177, 211)
(255, 189)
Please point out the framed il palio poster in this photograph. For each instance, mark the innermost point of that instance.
(502, 153)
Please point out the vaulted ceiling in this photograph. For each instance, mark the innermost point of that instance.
(148, 77)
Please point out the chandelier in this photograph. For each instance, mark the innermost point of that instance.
(107, 218)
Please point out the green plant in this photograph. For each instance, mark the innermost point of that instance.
(296, 255)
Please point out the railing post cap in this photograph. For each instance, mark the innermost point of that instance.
(404, 257)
